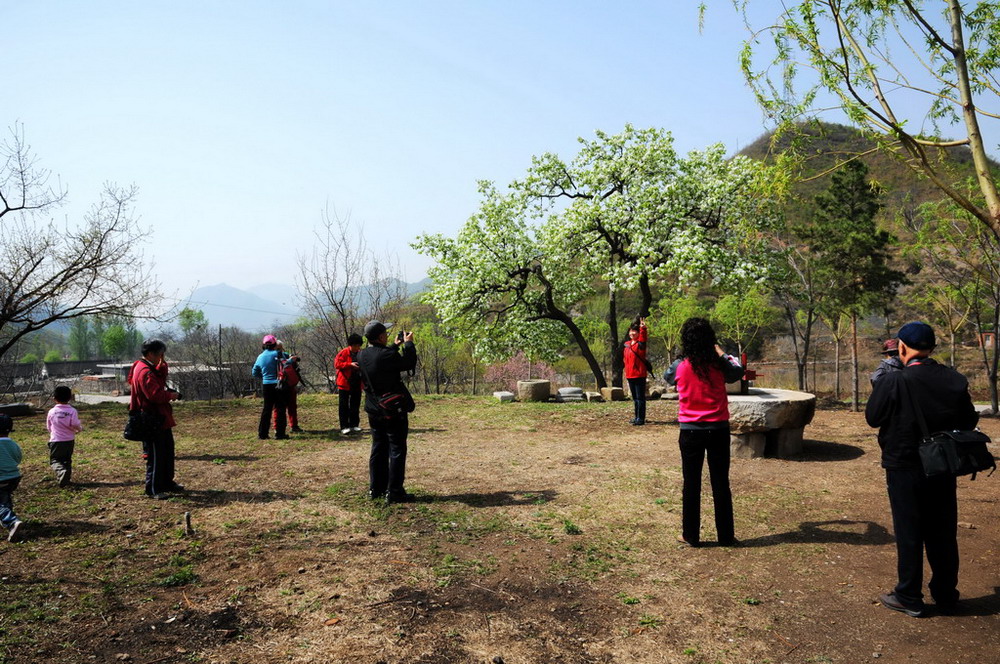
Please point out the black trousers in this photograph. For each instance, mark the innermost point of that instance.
(274, 400)
(159, 451)
(695, 446)
(350, 408)
(387, 462)
(637, 386)
(925, 519)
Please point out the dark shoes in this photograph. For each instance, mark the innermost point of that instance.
(890, 601)
(163, 494)
(296, 430)
(283, 436)
(686, 544)
(399, 497)
(15, 535)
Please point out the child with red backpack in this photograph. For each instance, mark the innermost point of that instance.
(289, 378)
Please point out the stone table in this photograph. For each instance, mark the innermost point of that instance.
(769, 422)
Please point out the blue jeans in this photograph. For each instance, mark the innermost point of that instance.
(7, 516)
(637, 386)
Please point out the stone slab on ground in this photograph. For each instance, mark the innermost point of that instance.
(569, 391)
(534, 390)
(613, 393)
(594, 397)
(504, 397)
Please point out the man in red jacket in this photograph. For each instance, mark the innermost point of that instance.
(150, 394)
(349, 385)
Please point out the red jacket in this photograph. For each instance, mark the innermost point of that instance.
(634, 355)
(149, 390)
(346, 379)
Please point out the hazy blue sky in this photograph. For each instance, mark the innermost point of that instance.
(241, 121)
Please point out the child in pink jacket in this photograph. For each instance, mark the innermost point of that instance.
(63, 423)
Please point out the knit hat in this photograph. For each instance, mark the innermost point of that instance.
(890, 346)
(917, 335)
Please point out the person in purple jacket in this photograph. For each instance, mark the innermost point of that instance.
(63, 423)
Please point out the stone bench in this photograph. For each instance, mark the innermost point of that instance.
(769, 422)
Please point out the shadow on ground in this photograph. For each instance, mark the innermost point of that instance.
(48, 529)
(494, 498)
(841, 531)
(219, 497)
(822, 450)
(214, 457)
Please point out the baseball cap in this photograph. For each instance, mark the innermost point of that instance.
(269, 339)
(917, 335)
(890, 346)
(374, 329)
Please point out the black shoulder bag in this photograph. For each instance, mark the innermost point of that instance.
(955, 452)
(142, 424)
(393, 405)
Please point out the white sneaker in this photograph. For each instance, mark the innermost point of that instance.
(344, 432)
(12, 536)
(356, 429)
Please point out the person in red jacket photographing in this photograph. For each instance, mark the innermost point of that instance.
(636, 368)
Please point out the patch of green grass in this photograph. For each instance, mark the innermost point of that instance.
(627, 599)
(181, 577)
(571, 528)
(650, 621)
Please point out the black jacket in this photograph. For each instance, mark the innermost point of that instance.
(380, 369)
(941, 394)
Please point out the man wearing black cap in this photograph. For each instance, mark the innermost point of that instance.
(380, 366)
(924, 509)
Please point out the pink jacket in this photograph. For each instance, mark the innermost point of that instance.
(63, 423)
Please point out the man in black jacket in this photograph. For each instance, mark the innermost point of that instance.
(924, 509)
(380, 366)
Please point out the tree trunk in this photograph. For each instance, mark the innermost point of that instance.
(984, 173)
(836, 368)
(801, 359)
(992, 371)
(595, 367)
(615, 344)
(855, 397)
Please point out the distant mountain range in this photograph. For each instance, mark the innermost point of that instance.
(260, 307)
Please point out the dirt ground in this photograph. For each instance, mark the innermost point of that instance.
(542, 533)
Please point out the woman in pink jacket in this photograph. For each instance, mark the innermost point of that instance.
(701, 375)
